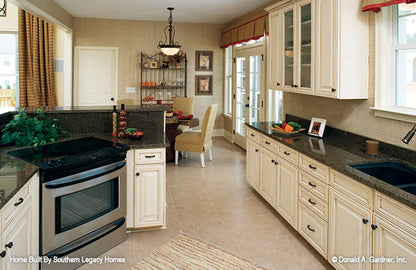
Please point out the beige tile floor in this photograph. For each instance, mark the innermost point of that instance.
(217, 205)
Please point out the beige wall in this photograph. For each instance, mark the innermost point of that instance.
(59, 52)
(133, 37)
(352, 115)
(9, 23)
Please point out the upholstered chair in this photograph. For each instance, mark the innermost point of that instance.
(198, 142)
(186, 105)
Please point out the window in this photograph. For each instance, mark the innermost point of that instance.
(9, 74)
(228, 76)
(395, 95)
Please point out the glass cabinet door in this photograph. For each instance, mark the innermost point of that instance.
(305, 46)
(288, 48)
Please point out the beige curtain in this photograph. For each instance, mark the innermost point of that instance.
(376, 5)
(252, 27)
(36, 68)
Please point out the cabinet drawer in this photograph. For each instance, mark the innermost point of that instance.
(351, 188)
(268, 143)
(396, 212)
(314, 185)
(313, 203)
(19, 200)
(146, 156)
(253, 135)
(314, 168)
(287, 153)
(313, 229)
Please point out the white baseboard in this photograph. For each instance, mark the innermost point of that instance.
(228, 135)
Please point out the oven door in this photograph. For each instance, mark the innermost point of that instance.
(77, 205)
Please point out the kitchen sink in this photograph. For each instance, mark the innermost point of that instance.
(394, 173)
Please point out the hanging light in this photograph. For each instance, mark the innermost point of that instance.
(172, 47)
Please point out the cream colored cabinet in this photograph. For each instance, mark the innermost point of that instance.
(146, 189)
(287, 191)
(274, 50)
(20, 227)
(341, 49)
(253, 164)
(268, 175)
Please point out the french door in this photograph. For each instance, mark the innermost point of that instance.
(248, 90)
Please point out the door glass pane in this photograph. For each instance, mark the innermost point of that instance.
(75, 209)
(289, 48)
(406, 78)
(240, 94)
(306, 48)
(255, 84)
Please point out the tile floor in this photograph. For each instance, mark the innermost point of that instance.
(217, 205)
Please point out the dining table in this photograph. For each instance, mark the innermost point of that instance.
(172, 124)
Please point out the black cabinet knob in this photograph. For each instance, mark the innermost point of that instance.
(333, 90)
(286, 153)
(3, 254)
(276, 163)
(365, 221)
(374, 227)
(137, 174)
(277, 84)
(9, 245)
(272, 160)
(257, 150)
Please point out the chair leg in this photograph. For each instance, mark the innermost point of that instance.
(202, 160)
(176, 157)
(210, 154)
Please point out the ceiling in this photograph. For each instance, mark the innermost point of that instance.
(195, 11)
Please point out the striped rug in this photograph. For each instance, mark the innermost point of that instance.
(188, 252)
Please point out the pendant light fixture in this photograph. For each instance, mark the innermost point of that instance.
(172, 47)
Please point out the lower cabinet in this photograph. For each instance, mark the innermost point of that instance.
(287, 191)
(268, 175)
(146, 189)
(20, 227)
(253, 164)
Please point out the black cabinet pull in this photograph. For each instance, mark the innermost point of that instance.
(365, 221)
(137, 174)
(257, 150)
(267, 142)
(152, 156)
(374, 227)
(309, 228)
(9, 245)
(277, 84)
(295, 86)
(272, 160)
(275, 163)
(252, 135)
(312, 167)
(312, 185)
(311, 202)
(333, 90)
(3, 254)
(19, 202)
(286, 153)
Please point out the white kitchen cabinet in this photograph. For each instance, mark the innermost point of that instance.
(350, 231)
(268, 175)
(274, 50)
(253, 164)
(146, 189)
(287, 191)
(341, 49)
(20, 227)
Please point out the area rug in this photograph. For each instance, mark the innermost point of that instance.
(188, 252)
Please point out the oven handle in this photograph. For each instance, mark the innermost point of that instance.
(86, 239)
(84, 176)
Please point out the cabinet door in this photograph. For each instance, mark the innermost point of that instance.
(149, 196)
(268, 175)
(253, 164)
(287, 192)
(392, 242)
(274, 50)
(349, 231)
(289, 48)
(19, 235)
(326, 52)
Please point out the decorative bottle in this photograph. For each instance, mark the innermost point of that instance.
(114, 121)
(123, 123)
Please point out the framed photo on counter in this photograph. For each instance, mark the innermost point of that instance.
(317, 127)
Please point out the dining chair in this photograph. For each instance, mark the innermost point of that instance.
(198, 142)
(127, 101)
(186, 105)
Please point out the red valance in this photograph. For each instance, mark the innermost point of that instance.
(376, 5)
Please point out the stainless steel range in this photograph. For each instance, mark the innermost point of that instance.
(83, 191)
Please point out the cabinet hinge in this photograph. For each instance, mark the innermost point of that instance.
(233, 96)
(262, 103)
(262, 57)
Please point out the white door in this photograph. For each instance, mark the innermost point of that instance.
(95, 81)
(249, 85)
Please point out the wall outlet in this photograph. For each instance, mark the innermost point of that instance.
(130, 90)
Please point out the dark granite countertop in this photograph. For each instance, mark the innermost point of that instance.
(338, 152)
(14, 172)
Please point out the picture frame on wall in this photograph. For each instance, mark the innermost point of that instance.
(203, 85)
(204, 60)
(317, 127)
(3, 8)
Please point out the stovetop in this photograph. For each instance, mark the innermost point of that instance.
(80, 153)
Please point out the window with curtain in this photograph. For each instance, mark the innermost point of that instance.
(228, 80)
(396, 62)
(9, 70)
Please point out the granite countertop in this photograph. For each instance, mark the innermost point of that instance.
(338, 153)
(14, 172)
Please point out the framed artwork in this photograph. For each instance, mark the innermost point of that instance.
(317, 127)
(203, 85)
(3, 8)
(203, 60)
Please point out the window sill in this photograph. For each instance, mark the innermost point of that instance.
(396, 115)
(228, 116)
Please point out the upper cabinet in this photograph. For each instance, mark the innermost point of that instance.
(319, 47)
